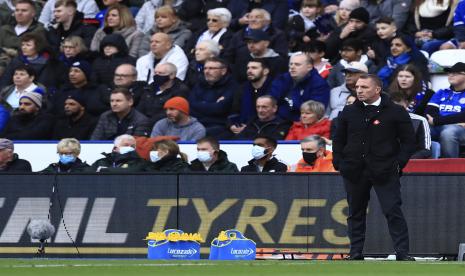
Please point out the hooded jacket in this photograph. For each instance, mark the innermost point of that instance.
(104, 66)
(192, 131)
(56, 34)
(222, 164)
(131, 35)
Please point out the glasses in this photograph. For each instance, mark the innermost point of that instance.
(212, 68)
(214, 20)
(124, 75)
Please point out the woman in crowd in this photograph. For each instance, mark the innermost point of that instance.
(204, 50)
(68, 150)
(166, 157)
(119, 20)
(166, 21)
(49, 71)
(403, 51)
(72, 50)
(407, 79)
(312, 121)
(145, 19)
(218, 21)
(343, 12)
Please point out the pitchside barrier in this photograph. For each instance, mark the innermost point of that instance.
(110, 215)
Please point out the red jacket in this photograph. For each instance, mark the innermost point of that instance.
(299, 131)
(322, 164)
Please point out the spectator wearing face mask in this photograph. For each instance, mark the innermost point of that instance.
(210, 158)
(123, 158)
(263, 158)
(315, 157)
(68, 150)
(166, 157)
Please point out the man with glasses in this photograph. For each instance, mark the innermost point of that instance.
(446, 113)
(211, 98)
(126, 77)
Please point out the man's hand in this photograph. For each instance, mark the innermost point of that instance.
(237, 129)
(346, 31)
(430, 120)
(244, 20)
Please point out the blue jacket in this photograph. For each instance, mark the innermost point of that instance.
(290, 96)
(4, 116)
(203, 100)
(249, 97)
(459, 21)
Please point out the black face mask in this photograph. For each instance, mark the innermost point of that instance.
(309, 157)
(160, 80)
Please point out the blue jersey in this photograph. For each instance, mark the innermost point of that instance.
(448, 101)
(459, 15)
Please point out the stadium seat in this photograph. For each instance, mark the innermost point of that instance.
(447, 58)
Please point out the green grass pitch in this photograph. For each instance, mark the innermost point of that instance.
(49, 267)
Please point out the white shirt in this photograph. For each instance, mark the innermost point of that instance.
(376, 103)
(20, 29)
(13, 98)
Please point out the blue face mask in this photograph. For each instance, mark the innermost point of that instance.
(204, 156)
(67, 158)
(258, 152)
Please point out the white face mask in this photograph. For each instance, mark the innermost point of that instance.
(258, 152)
(125, 149)
(204, 156)
(154, 156)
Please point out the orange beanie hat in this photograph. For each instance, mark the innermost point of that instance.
(178, 103)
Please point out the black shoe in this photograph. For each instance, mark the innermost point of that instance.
(354, 257)
(404, 257)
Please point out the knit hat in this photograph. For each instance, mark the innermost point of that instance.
(349, 4)
(178, 103)
(35, 97)
(76, 96)
(6, 144)
(85, 67)
(360, 14)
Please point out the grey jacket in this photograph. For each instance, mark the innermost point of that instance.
(337, 101)
(192, 131)
(396, 9)
(107, 126)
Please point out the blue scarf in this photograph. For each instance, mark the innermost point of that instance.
(385, 73)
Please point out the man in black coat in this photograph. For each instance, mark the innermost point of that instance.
(29, 122)
(76, 123)
(69, 22)
(374, 141)
(9, 161)
(263, 159)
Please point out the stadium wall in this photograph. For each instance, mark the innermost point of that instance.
(109, 215)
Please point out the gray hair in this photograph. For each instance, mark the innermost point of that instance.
(315, 138)
(314, 107)
(223, 13)
(266, 14)
(212, 46)
(172, 69)
(121, 138)
(273, 100)
(71, 144)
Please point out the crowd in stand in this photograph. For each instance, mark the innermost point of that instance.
(221, 70)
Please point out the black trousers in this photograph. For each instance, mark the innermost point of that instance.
(388, 192)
